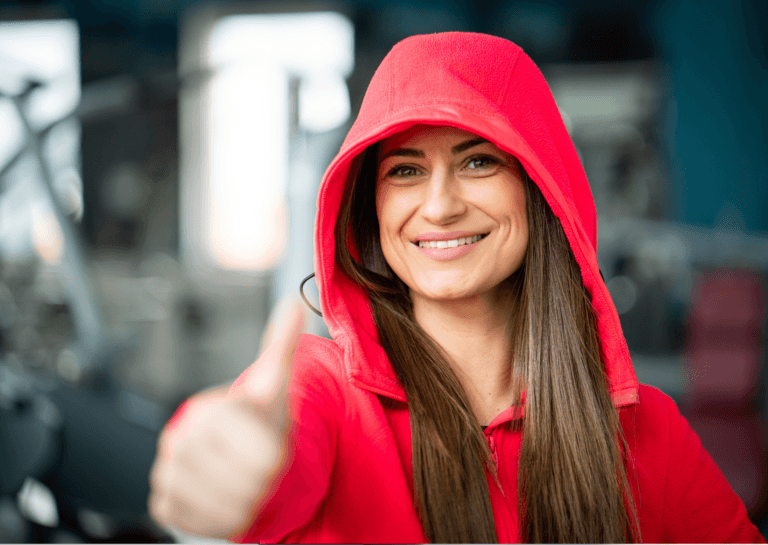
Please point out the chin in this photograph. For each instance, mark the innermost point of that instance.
(444, 295)
(448, 292)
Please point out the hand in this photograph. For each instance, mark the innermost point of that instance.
(214, 467)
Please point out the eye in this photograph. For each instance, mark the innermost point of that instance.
(403, 171)
(479, 162)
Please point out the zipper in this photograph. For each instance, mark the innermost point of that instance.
(494, 466)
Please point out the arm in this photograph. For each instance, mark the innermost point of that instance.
(699, 504)
(317, 412)
(218, 457)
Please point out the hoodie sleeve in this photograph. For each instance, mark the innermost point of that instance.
(698, 505)
(317, 410)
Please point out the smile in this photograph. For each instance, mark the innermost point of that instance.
(453, 243)
(448, 249)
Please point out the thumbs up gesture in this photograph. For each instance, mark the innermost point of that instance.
(215, 465)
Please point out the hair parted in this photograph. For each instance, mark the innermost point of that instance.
(573, 484)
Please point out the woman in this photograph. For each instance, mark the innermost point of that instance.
(478, 386)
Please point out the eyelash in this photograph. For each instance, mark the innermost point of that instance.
(490, 161)
(393, 172)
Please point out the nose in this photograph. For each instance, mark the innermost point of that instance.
(443, 202)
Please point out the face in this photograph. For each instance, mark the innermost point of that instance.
(452, 212)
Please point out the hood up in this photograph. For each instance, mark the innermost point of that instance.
(488, 86)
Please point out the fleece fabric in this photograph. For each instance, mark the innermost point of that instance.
(349, 478)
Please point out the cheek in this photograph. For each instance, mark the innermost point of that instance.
(520, 212)
(385, 210)
(515, 199)
(521, 222)
(505, 201)
(381, 215)
(391, 210)
(381, 199)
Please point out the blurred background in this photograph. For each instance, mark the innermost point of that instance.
(159, 163)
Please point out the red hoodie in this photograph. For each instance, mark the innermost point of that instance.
(350, 474)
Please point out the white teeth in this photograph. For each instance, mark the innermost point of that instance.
(449, 243)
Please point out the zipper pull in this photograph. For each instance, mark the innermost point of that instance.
(494, 469)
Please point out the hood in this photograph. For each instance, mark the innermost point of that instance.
(488, 86)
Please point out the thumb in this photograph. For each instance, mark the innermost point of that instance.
(279, 314)
(268, 381)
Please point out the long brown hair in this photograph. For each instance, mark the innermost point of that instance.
(573, 484)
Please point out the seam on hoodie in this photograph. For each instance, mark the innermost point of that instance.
(624, 352)
(376, 440)
(632, 459)
(374, 390)
(351, 379)
(614, 317)
(346, 378)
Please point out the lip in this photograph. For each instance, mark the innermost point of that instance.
(446, 254)
(445, 236)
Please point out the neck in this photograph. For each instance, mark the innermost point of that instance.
(475, 335)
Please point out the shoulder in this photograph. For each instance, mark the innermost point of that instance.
(653, 401)
(682, 494)
(318, 359)
(654, 410)
(653, 427)
(319, 380)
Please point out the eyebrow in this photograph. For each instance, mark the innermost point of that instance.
(411, 152)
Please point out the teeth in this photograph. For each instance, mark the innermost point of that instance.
(449, 243)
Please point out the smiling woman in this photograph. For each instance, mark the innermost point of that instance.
(477, 387)
(468, 331)
(439, 187)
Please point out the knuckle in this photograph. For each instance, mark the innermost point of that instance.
(185, 456)
(160, 509)
(176, 512)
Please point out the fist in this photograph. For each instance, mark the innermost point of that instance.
(214, 466)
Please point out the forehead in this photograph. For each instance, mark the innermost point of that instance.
(426, 135)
